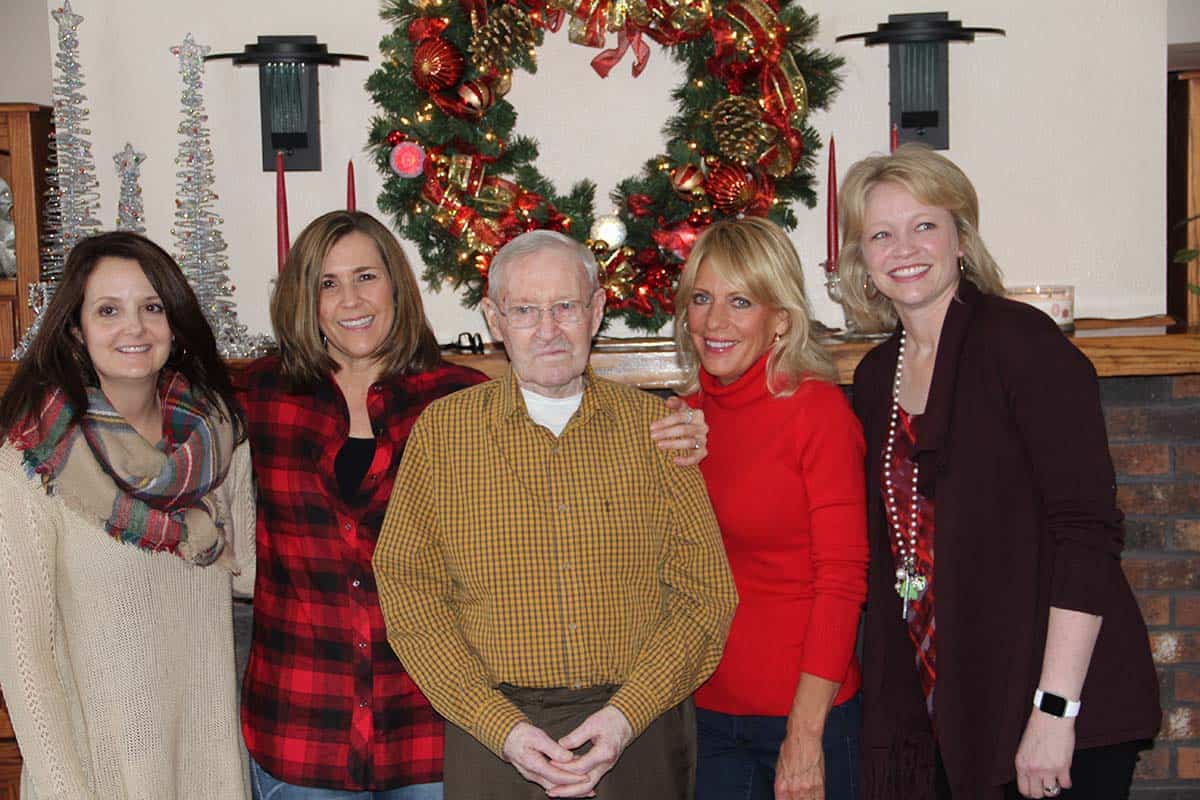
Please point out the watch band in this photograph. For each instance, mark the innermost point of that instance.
(1055, 705)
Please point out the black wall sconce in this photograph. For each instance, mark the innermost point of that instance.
(287, 91)
(918, 68)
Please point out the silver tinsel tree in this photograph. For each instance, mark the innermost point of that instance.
(131, 213)
(73, 200)
(200, 247)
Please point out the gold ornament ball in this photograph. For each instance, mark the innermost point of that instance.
(502, 83)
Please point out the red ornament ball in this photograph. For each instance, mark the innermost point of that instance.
(436, 65)
(395, 137)
(730, 188)
(408, 159)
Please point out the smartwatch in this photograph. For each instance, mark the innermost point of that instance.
(1055, 705)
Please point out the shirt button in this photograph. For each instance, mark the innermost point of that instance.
(376, 388)
(356, 583)
(362, 644)
(347, 526)
(362, 703)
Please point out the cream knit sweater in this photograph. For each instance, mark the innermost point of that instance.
(116, 663)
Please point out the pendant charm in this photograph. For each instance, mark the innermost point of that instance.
(910, 585)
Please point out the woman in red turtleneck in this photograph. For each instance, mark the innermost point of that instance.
(778, 720)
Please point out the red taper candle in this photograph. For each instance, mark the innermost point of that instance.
(351, 204)
(895, 138)
(283, 241)
(831, 211)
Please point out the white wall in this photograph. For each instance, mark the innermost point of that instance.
(25, 55)
(1183, 21)
(1060, 125)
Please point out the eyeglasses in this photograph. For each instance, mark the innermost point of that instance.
(564, 312)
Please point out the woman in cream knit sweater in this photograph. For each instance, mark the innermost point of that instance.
(127, 518)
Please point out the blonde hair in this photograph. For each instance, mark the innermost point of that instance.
(933, 180)
(756, 256)
(409, 346)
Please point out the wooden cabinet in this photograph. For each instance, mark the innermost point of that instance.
(1183, 193)
(24, 137)
(10, 759)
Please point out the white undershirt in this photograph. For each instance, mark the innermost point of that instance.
(552, 413)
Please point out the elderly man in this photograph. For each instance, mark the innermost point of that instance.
(553, 583)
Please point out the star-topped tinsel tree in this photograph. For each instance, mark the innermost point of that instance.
(131, 212)
(200, 247)
(73, 199)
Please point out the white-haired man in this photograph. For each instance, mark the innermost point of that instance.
(553, 583)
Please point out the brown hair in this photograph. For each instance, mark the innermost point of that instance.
(933, 180)
(756, 256)
(57, 358)
(409, 346)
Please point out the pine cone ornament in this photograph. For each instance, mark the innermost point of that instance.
(738, 128)
(730, 188)
(502, 40)
(436, 65)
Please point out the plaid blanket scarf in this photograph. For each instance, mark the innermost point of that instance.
(152, 496)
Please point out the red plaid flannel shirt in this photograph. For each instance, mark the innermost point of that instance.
(325, 702)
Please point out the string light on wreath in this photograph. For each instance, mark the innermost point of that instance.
(459, 183)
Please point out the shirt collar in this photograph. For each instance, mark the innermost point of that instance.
(598, 397)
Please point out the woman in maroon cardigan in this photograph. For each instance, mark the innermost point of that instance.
(1004, 652)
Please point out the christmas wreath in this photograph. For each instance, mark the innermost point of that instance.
(460, 185)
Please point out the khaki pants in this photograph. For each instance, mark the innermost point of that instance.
(658, 765)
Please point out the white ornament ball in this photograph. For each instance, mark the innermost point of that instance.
(610, 230)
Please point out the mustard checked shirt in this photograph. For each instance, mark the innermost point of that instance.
(510, 556)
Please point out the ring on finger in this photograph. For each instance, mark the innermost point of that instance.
(1052, 791)
(688, 419)
(696, 443)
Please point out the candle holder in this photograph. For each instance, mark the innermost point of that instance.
(1058, 302)
(852, 330)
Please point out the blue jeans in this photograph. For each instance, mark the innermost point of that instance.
(738, 754)
(265, 787)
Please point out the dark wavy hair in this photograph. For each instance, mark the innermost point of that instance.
(58, 358)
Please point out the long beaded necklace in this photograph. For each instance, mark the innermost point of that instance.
(910, 583)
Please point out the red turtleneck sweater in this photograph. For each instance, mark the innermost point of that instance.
(785, 475)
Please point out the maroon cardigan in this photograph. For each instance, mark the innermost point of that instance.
(1012, 449)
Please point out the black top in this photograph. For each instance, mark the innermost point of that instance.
(351, 465)
(1012, 448)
